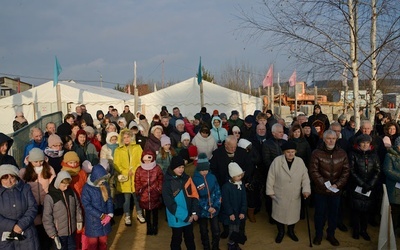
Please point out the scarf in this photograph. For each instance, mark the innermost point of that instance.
(237, 183)
(72, 171)
(53, 153)
(112, 147)
(148, 166)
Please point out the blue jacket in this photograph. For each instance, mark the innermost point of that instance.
(94, 205)
(22, 212)
(234, 202)
(180, 198)
(220, 133)
(209, 194)
(32, 144)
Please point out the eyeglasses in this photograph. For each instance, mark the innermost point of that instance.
(8, 176)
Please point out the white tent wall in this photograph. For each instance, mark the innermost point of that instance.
(42, 100)
(186, 96)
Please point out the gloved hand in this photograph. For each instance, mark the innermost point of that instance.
(87, 166)
(57, 242)
(106, 220)
(79, 226)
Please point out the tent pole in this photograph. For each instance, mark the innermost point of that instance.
(58, 89)
(136, 92)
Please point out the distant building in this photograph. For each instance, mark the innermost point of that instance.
(363, 94)
(10, 86)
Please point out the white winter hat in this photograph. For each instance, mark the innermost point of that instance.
(179, 121)
(234, 169)
(243, 143)
(185, 136)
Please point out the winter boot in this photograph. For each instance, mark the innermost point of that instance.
(225, 233)
(250, 214)
(291, 233)
(281, 232)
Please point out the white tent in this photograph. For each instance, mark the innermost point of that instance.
(186, 96)
(42, 100)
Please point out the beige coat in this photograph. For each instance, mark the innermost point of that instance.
(287, 186)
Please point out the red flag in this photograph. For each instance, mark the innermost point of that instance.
(269, 77)
(292, 79)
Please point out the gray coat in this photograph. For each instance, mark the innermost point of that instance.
(57, 220)
(22, 212)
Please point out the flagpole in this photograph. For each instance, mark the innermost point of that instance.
(280, 97)
(295, 99)
(200, 82)
(136, 92)
(272, 97)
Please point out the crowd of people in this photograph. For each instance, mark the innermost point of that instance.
(210, 169)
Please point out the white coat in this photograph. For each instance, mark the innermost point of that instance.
(287, 186)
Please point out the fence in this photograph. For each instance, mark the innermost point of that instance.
(21, 137)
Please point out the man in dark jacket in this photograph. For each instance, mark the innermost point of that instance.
(318, 115)
(5, 145)
(86, 116)
(128, 115)
(271, 148)
(329, 171)
(65, 128)
(167, 128)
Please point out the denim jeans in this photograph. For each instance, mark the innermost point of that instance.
(127, 203)
(214, 224)
(67, 242)
(326, 208)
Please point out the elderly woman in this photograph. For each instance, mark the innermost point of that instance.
(287, 178)
(391, 167)
(18, 210)
(364, 175)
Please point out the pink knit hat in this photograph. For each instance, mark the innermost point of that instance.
(165, 140)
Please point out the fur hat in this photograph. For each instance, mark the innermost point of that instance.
(288, 145)
(8, 169)
(202, 162)
(176, 161)
(234, 169)
(185, 136)
(54, 140)
(178, 122)
(243, 143)
(148, 153)
(36, 154)
(61, 176)
(165, 140)
(71, 156)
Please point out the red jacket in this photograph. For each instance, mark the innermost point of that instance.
(148, 185)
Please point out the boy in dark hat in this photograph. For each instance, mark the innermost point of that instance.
(181, 202)
(209, 202)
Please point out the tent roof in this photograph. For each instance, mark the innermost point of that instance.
(70, 92)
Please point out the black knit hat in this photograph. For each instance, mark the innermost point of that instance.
(306, 124)
(288, 145)
(176, 161)
(363, 138)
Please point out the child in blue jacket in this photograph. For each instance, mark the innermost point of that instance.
(209, 202)
(181, 202)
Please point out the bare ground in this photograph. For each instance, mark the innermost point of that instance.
(261, 235)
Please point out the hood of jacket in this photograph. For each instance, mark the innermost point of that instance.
(5, 138)
(220, 122)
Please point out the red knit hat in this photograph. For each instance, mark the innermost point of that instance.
(148, 153)
(192, 151)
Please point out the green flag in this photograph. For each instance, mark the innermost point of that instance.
(199, 75)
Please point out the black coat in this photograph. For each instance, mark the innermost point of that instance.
(364, 172)
(7, 159)
(303, 149)
(271, 148)
(220, 161)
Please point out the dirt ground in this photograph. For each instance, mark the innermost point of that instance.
(261, 235)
